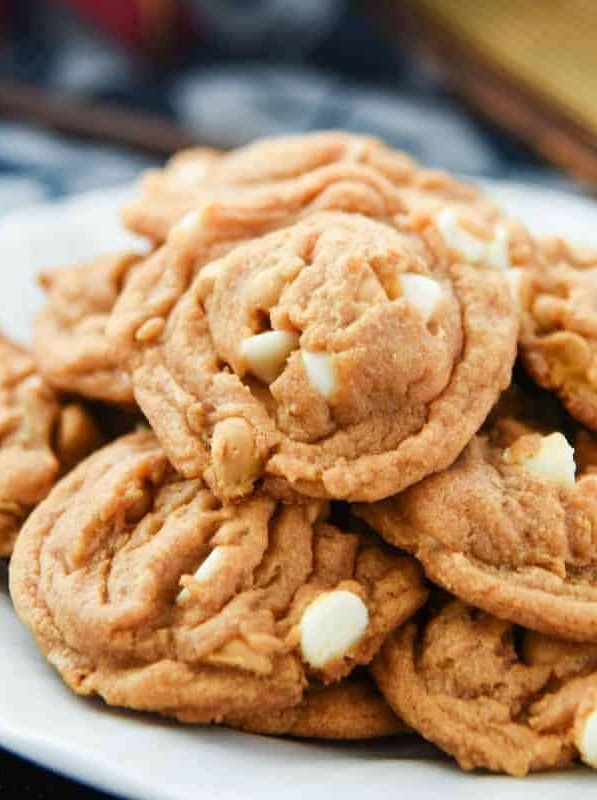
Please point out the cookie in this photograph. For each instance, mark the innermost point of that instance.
(39, 438)
(508, 529)
(558, 338)
(352, 709)
(70, 346)
(69, 343)
(279, 166)
(339, 357)
(142, 588)
(489, 694)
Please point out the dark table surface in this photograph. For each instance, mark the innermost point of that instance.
(22, 779)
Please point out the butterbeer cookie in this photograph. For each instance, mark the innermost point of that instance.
(339, 357)
(490, 694)
(508, 529)
(351, 709)
(69, 344)
(39, 437)
(558, 339)
(142, 588)
(335, 162)
(242, 195)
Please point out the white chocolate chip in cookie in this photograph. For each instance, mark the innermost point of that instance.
(498, 253)
(206, 571)
(514, 277)
(331, 625)
(192, 172)
(266, 353)
(457, 238)
(190, 220)
(586, 740)
(421, 293)
(211, 565)
(553, 460)
(494, 252)
(320, 372)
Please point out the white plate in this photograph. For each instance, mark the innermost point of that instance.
(143, 757)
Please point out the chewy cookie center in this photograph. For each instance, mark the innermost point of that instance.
(333, 325)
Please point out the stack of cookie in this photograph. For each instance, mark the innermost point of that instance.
(335, 478)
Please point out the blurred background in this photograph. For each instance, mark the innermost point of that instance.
(91, 91)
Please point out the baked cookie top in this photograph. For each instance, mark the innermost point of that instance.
(339, 357)
(69, 343)
(351, 709)
(141, 587)
(39, 436)
(507, 528)
(558, 337)
(492, 695)
(276, 164)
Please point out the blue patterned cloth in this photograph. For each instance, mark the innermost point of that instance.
(262, 67)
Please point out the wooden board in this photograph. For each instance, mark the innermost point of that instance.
(529, 65)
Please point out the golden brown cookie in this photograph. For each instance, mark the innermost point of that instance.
(490, 694)
(508, 529)
(351, 709)
(278, 166)
(558, 338)
(141, 587)
(243, 194)
(339, 357)
(39, 437)
(70, 346)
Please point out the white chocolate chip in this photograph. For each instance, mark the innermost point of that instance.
(422, 293)
(495, 252)
(355, 151)
(514, 277)
(190, 220)
(266, 353)
(460, 240)
(183, 596)
(320, 372)
(498, 253)
(587, 741)
(554, 460)
(192, 172)
(212, 564)
(331, 625)
(32, 383)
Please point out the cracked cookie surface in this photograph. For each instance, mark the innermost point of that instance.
(352, 709)
(491, 695)
(279, 166)
(507, 528)
(141, 587)
(338, 357)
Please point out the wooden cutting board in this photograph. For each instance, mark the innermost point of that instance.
(529, 65)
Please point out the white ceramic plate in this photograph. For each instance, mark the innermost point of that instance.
(142, 757)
